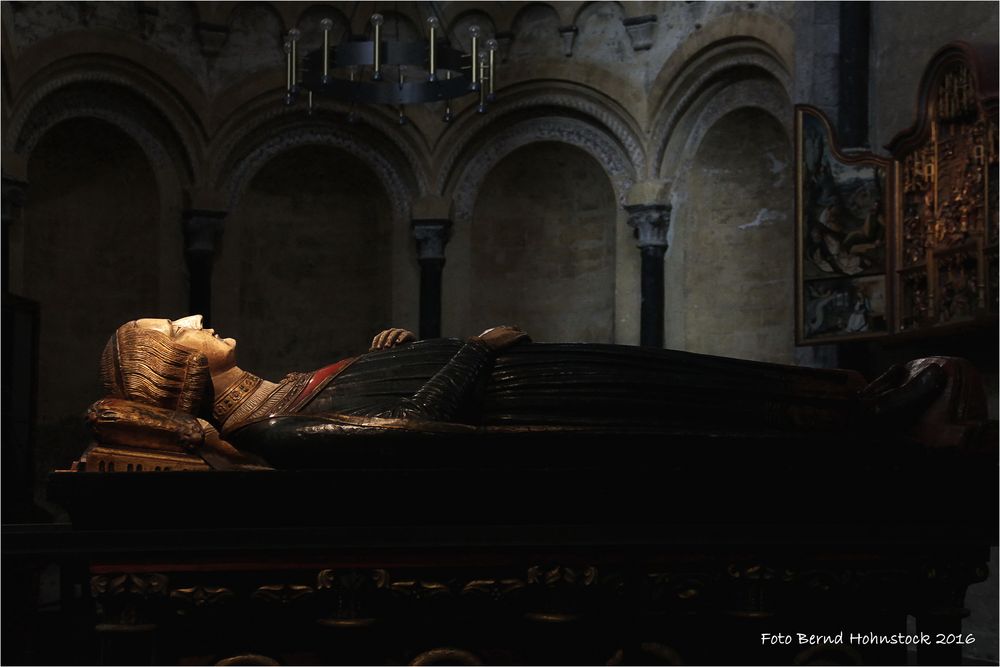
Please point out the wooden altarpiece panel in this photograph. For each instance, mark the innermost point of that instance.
(907, 244)
(946, 174)
(844, 223)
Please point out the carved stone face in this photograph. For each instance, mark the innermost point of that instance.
(188, 332)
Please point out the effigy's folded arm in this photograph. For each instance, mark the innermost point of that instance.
(132, 436)
(441, 397)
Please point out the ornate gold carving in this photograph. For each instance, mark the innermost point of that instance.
(493, 589)
(419, 590)
(446, 656)
(232, 404)
(201, 596)
(947, 210)
(247, 659)
(352, 593)
(145, 585)
(283, 594)
(558, 593)
(126, 602)
(122, 459)
(117, 421)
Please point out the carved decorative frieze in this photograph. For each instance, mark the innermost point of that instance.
(350, 598)
(620, 132)
(398, 191)
(197, 597)
(283, 594)
(563, 130)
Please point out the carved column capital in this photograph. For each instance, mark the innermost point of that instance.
(641, 30)
(651, 223)
(202, 231)
(568, 34)
(431, 237)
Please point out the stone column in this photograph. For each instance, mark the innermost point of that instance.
(431, 237)
(13, 200)
(651, 223)
(202, 234)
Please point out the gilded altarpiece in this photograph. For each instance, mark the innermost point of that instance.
(946, 170)
(906, 244)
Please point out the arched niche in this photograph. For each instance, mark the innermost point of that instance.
(536, 30)
(730, 264)
(91, 259)
(304, 276)
(542, 246)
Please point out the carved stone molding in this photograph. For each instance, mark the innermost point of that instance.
(641, 30)
(398, 191)
(48, 104)
(600, 146)
(396, 188)
(264, 123)
(742, 95)
(620, 131)
(683, 97)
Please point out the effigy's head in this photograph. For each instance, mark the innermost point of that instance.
(168, 364)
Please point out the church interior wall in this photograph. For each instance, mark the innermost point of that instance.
(542, 246)
(904, 37)
(640, 100)
(122, 117)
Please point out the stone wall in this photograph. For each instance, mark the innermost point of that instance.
(87, 277)
(304, 277)
(734, 231)
(542, 242)
(904, 37)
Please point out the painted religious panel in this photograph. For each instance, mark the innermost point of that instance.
(843, 218)
(947, 191)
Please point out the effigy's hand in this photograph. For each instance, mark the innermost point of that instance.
(391, 338)
(502, 337)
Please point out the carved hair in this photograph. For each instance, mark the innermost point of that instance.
(145, 365)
